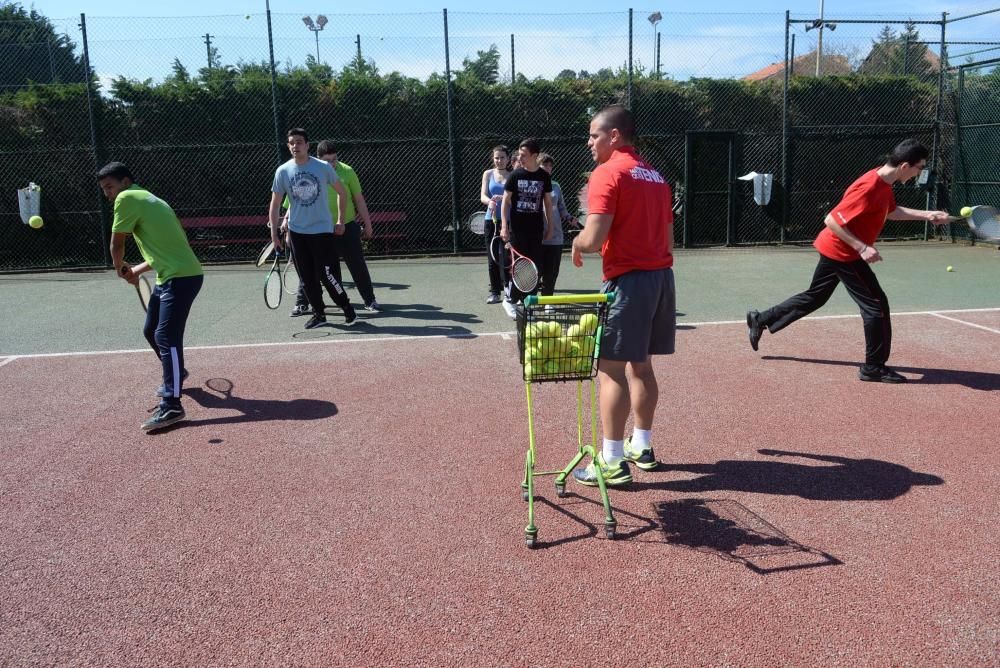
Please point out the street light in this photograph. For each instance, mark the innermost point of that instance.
(655, 18)
(316, 27)
(820, 24)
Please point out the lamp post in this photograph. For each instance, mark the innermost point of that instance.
(820, 24)
(316, 27)
(654, 19)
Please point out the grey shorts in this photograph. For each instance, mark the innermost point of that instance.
(642, 321)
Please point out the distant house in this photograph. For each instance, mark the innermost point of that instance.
(804, 65)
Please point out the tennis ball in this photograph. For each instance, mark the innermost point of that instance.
(588, 323)
(36, 222)
(950, 268)
(529, 370)
(575, 331)
(551, 367)
(966, 212)
(587, 346)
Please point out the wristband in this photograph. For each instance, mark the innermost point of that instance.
(863, 249)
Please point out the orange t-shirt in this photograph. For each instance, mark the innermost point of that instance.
(862, 210)
(629, 189)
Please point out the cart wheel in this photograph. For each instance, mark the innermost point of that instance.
(560, 491)
(530, 540)
(609, 531)
(524, 495)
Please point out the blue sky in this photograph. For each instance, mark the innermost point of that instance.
(725, 39)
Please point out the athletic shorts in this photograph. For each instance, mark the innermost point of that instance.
(642, 321)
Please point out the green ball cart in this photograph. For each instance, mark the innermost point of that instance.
(559, 340)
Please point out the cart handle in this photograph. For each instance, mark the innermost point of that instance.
(595, 298)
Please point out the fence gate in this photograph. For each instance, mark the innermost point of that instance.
(977, 141)
(709, 174)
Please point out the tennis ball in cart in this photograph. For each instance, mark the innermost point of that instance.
(588, 323)
(966, 212)
(36, 222)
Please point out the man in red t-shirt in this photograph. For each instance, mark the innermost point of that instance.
(630, 220)
(846, 247)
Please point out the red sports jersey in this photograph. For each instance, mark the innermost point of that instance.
(628, 188)
(862, 210)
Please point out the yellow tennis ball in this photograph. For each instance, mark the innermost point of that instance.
(36, 222)
(950, 268)
(966, 211)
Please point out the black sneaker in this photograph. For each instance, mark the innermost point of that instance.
(316, 321)
(350, 316)
(300, 309)
(754, 328)
(373, 307)
(163, 418)
(882, 374)
(161, 391)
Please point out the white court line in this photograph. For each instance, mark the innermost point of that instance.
(967, 323)
(8, 360)
(504, 335)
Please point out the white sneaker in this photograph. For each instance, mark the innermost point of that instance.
(510, 309)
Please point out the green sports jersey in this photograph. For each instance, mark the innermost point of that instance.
(157, 233)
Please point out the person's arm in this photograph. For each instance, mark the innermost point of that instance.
(366, 220)
(550, 220)
(903, 213)
(484, 191)
(593, 236)
(341, 207)
(118, 256)
(868, 253)
(505, 216)
(273, 216)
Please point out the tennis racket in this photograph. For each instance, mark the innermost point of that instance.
(145, 289)
(477, 223)
(265, 254)
(984, 222)
(290, 275)
(272, 284)
(523, 271)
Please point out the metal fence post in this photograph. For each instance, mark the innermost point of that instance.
(931, 193)
(628, 92)
(274, 87)
(513, 72)
(102, 206)
(451, 138)
(785, 185)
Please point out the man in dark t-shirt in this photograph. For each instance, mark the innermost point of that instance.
(526, 213)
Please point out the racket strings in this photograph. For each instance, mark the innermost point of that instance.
(524, 274)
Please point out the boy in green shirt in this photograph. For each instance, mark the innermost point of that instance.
(165, 250)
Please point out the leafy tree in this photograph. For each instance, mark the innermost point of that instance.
(484, 68)
(900, 54)
(31, 51)
(566, 75)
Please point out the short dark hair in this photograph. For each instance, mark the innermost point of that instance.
(545, 159)
(619, 118)
(116, 170)
(500, 147)
(297, 132)
(531, 144)
(324, 147)
(910, 151)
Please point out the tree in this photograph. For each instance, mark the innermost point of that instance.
(901, 54)
(485, 67)
(566, 75)
(31, 51)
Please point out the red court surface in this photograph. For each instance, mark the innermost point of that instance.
(358, 503)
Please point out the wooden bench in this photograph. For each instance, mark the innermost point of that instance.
(389, 229)
(201, 236)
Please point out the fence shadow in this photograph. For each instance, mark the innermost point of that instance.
(975, 380)
(846, 480)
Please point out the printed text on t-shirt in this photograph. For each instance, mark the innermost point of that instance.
(643, 174)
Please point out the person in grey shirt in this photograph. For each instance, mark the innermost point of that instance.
(304, 180)
(552, 247)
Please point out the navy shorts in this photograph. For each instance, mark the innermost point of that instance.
(642, 321)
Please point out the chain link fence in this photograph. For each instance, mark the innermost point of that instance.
(198, 108)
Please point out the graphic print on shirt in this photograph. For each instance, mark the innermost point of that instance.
(305, 188)
(529, 195)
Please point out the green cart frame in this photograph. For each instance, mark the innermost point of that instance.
(559, 341)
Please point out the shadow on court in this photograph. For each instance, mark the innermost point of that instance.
(729, 530)
(256, 410)
(975, 380)
(847, 480)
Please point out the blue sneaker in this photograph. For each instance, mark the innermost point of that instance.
(163, 418)
(614, 476)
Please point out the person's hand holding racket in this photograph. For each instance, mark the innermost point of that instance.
(504, 233)
(128, 275)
